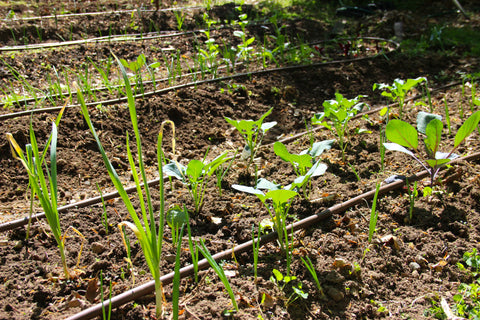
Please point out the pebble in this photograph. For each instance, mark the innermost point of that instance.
(335, 294)
(414, 266)
(98, 248)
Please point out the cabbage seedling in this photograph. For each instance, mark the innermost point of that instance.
(278, 211)
(195, 175)
(339, 112)
(303, 162)
(398, 90)
(404, 138)
(253, 132)
(176, 218)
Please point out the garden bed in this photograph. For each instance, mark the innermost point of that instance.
(402, 273)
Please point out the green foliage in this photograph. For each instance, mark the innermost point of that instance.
(219, 271)
(404, 138)
(336, 116)
(253, 132)
(296, 286)
(176, 218)
(373, 215)
(195, 175)
(468, 299)
(398, 90)
(305, 164)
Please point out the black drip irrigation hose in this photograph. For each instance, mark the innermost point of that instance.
(149, 287)
(99, 13)
(207, 81)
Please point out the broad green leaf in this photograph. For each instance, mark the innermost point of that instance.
(303, 161)
(268, 125)
(263, 183)
(436, 163)
(175, 169)
(397, 147)
(281, 196)
(467, 128)
(249, 41)
(317, 169)
(176, 217)
(195, 169)
(210, 167)
(383, 111)
(318, 148)
(402, 133)
(434, 136)
(424, 118)
(250, 190)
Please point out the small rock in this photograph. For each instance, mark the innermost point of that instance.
(414, 266)
(98, 248)
(170, 258)
(18, 245)
(335, 294)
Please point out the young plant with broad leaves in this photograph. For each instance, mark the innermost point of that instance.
(398, 90)
(304, 162)
(253, 133)
(195, 176)
(277, 201)
(404, 138)
(336, 116)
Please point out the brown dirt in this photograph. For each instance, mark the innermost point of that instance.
(409, 263)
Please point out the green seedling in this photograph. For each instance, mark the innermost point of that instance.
(253, 133)
(278, 210)
(336, 116)
(135, 66)
(193, 250)
(176, 276)
(43, 182)
(219, 271)
(373, 215)
(106, 315)
(221, 172)
(176, 218)
(302, 163)
(404, 138)
(104, 212)
(148, 227)
(196, 176)
(397, 91)
(311, 268)
(256, 250)
(282, 282)
(180, 17)
(412, 195)
(467, 301)
(128, 249)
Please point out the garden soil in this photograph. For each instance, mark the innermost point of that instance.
(410, 263)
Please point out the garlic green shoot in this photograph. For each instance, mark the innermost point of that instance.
(404, 138)
(176, 218)
(219, 271)
(44, 186)
(148, 231)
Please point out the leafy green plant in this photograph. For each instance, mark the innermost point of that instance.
(147, 228)
(176, 218)
(44, 185)
(106, 314)
(180, 17)
(467, 301)
(256, 250)
(253, 132)
(278, 211)
(192, 246)
(397, 91)
(219, 271)
(303, 162)
(195, 175)
(339, 112)
(296, 286)
(311, 268)
(135, 66)
(404, 138)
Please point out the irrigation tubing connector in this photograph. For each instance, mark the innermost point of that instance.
(149, 287)
(207, 81)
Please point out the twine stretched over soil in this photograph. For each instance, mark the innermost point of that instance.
(149, 287)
